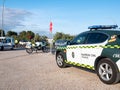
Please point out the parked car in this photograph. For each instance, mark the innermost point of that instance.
(97, 49)
(7, 43)
(60, 42)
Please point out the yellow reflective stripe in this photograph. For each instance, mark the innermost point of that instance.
(61, 47)
(103, 46)
(68, 47)
(77, 64)
(100, 46)
(80, 46)
(117, 46)
(81, 65)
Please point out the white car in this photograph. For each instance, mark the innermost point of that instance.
(6, 43)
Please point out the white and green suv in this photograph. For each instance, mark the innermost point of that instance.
(97, 49)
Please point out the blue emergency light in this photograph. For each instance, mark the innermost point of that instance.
(95, 27)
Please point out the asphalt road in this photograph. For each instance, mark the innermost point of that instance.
(38, 71)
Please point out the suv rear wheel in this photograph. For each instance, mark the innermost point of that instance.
(60, 60)
(107, 71)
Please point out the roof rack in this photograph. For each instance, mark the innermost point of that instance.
(96, 27)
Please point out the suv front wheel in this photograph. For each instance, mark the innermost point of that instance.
(107, 71)
(60, 60)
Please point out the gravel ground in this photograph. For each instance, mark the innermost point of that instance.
(38, 71)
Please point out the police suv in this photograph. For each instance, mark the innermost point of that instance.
(97, 49)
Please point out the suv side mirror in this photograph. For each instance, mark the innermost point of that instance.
(68, 42)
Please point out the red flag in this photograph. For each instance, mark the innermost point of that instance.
(51, 25)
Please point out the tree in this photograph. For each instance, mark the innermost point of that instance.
(44, 38)
(22, 35)
(2, 31)
(40, 38)
(30, 35)
(37, 37)
(11, 33)
(67, 37)
(60, 35)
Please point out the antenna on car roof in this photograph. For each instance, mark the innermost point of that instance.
(96, 27)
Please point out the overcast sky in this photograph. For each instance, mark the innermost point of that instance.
(68, 16)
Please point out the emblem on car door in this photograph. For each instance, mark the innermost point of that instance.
(73, 54)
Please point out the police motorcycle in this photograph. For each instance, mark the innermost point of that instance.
(36, 47)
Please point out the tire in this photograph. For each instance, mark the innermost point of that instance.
(29, 50)
(2, 48)
(60, 61)
(44, 49)
(12, 48)
(107, 71)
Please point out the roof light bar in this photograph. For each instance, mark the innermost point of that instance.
(103, 27)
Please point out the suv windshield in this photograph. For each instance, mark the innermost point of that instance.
(80, 39)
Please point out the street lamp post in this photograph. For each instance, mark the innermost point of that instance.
(3, 18)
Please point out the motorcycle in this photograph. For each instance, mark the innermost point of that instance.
(34, 47)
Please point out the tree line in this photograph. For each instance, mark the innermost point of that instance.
(60, 35)
(24, 35)
(31, 36)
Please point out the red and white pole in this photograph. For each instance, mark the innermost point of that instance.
(51, 28)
